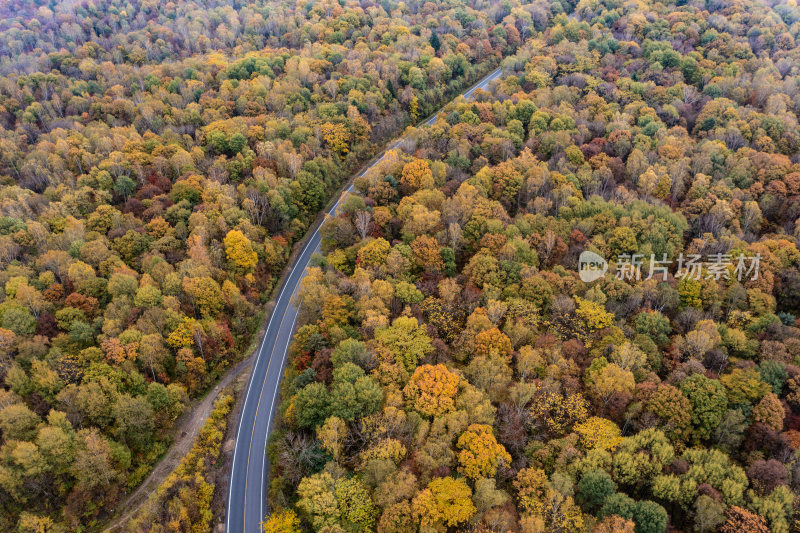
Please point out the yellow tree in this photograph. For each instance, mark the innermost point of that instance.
(205, 293)
(31, 523)
(285, 521)
(184, 335)
(531, 485)
(406, 339)
(413, 108)
(317, 500)
(417, 175)
(545, 505)
(446, 501)
(331, 435)
(591, 317)
(432, 390)
(493, 342)
(614, 524)
(239, 251)
(598, 432)
(611, 380)
(337, 137)
(7, 341)
(558, 412)
(481, 454)
(374, 253)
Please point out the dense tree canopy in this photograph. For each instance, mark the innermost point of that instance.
(452, 370)
(660, 136)
(157, 162)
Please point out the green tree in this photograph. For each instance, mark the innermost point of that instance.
(709, 402)
(619, 504)
(18, 422)
(407, 340)
(654, 325)
(133, 420)
(641, 457)
(594, 488)
(706, 466)
(355, 504)
(351, 351)
(709, 513)
(353, 394)
(312, 405)
(649, 517)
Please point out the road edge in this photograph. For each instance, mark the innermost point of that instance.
(140, 494)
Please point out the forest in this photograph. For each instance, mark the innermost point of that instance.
(453, 371)
(158, 160)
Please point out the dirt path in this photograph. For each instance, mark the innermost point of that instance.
(186, 429)
(188, 424)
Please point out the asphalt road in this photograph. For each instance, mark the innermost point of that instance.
(246, 496)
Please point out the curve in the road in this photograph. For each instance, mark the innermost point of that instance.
(245, 506)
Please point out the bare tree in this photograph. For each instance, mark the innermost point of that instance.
(362, 222)
(454, 233)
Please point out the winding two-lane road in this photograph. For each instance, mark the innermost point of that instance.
(246, 496)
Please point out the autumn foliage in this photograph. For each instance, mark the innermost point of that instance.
(451, 368)
(647, 400)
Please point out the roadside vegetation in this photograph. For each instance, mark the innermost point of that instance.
(183, 501)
